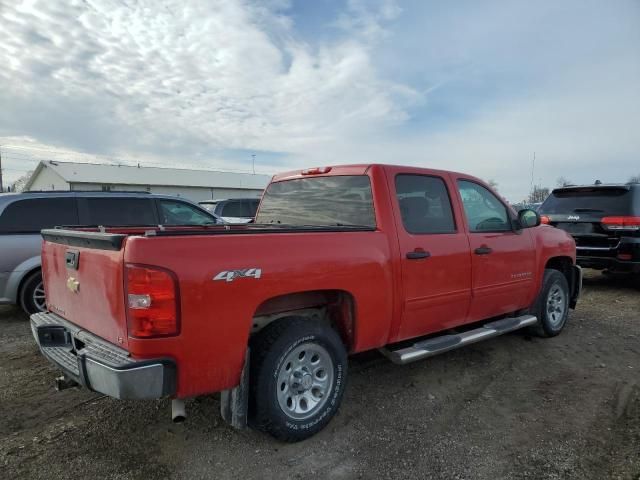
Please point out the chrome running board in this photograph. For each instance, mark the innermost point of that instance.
(444, 343)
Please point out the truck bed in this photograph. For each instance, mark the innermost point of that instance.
(356, 260)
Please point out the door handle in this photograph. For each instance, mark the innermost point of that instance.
(483, 251)
(418, 254)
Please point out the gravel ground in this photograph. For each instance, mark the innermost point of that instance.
(512, 407)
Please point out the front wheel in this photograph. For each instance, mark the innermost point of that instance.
(552, 305)
(298, 375)
(32, 299)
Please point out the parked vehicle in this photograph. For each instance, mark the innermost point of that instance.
(23, 215)
(343, 259)
(604, 220)
(234, 210)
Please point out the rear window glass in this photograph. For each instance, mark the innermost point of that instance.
(121, 212)
(609, 201)
(252, 207)
(32, 215)
(327, 201)
(233, 208)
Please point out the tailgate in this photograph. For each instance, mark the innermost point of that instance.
(83, 279)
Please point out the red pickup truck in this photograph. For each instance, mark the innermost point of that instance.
(340, 260)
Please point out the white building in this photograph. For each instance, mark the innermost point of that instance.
(196, 185)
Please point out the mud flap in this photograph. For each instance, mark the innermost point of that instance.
(234, 403)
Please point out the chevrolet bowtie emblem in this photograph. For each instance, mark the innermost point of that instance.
(73, 285)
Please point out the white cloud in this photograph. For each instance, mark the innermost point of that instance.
(466, 86)
(187, 75)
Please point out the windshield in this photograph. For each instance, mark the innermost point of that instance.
(606, 201)
(339, 200)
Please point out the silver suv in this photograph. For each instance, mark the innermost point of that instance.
(23, 215)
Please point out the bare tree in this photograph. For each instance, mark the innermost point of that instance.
(634, 179)
(19, 184)
(538, 194)
(563, 182)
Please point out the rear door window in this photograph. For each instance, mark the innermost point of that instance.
(425, 205)
(33, 214)
(123, 212)
(602, 201)
(174, 212)
(233, 208)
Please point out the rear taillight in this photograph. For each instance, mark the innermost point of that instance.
(152, 302)
(621, 223)
(545, 220)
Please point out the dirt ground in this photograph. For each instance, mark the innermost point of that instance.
(512, 407)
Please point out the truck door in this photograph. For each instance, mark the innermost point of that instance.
(503, 260)
(434, 251)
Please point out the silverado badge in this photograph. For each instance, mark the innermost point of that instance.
(73, 285)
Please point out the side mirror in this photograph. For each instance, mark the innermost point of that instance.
(529, 218)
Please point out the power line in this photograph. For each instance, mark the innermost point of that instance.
(1, 186)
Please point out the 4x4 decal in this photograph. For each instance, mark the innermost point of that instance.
(231, 275)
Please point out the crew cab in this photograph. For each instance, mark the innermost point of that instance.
(341, 259)
(604, 220)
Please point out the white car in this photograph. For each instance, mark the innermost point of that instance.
(233, 210)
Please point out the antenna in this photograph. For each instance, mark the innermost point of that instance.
(533, 168)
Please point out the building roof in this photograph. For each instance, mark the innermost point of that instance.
(170, 177)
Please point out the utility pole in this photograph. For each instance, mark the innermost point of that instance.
(1, 186)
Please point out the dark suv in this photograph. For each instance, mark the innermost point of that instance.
(604, 220)
(23, 215)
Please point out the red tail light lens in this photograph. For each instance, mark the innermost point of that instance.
(621, 223)
(545, 220)
(152, 302)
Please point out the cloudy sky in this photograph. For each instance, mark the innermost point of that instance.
(466, 85)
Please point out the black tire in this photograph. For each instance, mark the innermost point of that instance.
(551, 323)
(271, 362)
(31, 296)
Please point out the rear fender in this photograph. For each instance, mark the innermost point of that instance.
(334, 306)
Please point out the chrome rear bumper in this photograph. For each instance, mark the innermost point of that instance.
(99, 365)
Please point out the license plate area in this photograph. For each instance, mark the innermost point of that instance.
(576, 228)
(54, 336)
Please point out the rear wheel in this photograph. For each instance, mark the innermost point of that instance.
(298, 374)
(32, 299)
(552, 305)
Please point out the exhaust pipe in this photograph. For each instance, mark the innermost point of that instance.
(178, 413)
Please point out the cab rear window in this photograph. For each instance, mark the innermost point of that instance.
(606, 201)
(320, 201)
